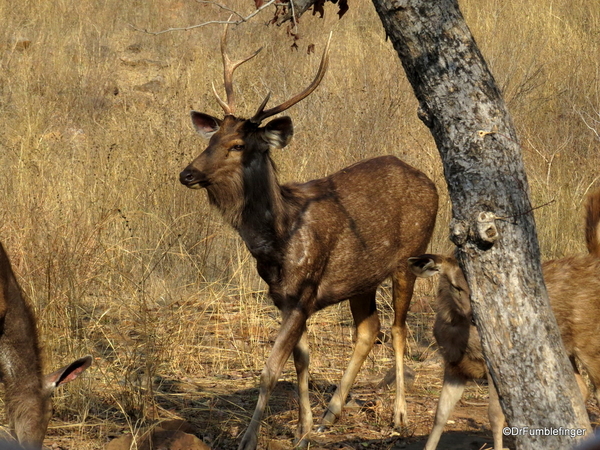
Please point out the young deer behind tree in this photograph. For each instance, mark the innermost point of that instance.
(316, 243)
(573, 285)
(27, 391)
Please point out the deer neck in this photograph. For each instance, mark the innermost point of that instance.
(265, 214)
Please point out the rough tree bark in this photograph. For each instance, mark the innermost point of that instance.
(493, 225)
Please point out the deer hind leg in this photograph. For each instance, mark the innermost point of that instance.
(495, 414)
(452, 391)
(591, 364)
(364, 312)
(403, 282)
(579, 379)
(289, 336)
(305, 419)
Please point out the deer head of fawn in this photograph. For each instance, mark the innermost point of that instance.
(27, 391)
(316, 243)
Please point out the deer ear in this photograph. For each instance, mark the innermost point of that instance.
(67, 373)
(204, 124)
(424, 266)
(278, 132)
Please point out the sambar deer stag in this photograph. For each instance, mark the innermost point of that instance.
(573, 285)
(316, 243)
(27, 391)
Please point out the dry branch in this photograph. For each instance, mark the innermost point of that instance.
(241, 19)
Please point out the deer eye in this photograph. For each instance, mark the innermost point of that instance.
(237, 148)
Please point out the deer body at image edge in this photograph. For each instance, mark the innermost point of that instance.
(573, 285)
(27, 391)
(316, 243)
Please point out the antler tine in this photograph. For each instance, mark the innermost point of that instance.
(262, 106)
(262, 115)
(228, 69)
(224, 105)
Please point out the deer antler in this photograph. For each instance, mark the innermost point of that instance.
(262, 115)
(228, 69)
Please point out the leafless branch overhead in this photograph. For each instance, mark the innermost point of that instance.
(241, 18)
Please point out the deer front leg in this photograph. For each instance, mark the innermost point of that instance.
(287, 339)
(402, 289)
(452, 390)
(364, 312)
(305, 418)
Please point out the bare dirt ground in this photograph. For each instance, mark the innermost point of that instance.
(218, 401)
(221, 409)
(220, 406)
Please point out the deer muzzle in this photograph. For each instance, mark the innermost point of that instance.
(193, 178)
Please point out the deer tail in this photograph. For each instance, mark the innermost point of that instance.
(592, 222)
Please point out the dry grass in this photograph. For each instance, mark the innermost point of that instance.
(121, 261)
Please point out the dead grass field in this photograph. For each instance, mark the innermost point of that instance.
(123, 262)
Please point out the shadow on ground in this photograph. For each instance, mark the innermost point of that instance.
(451, 440)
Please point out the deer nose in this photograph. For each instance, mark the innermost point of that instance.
(190, 177)
(186, 176)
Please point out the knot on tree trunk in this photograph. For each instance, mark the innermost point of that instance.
(484, 232)
(487, 232)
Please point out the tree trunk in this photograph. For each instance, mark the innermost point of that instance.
(493, 225)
